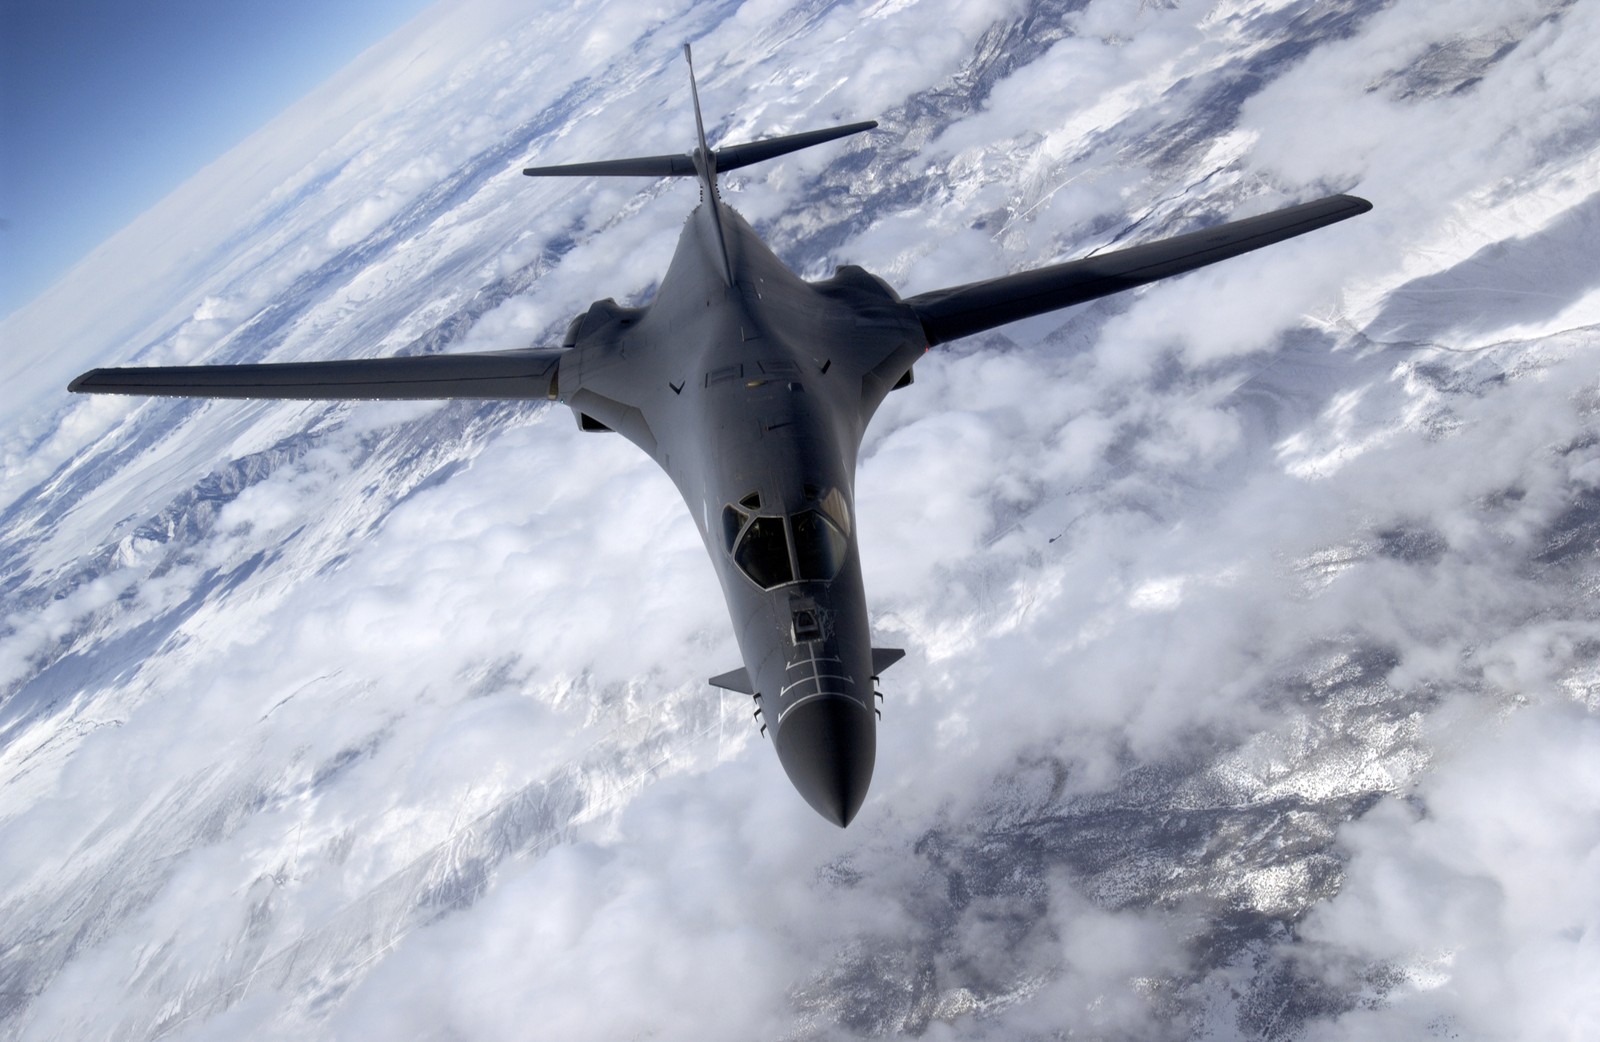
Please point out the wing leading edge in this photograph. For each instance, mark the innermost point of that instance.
(499, 374)
(959, 311)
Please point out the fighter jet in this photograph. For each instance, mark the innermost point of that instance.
(752, 388)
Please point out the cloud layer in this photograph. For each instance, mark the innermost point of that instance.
(1252, 677)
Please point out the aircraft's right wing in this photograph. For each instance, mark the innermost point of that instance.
(959, 311)
(498, 374)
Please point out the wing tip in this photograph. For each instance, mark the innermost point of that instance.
(1354, 203)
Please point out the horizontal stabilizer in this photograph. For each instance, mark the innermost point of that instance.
(739, 679)
(959, 311)
(500, 374)
(645, 166)
(730, 158)
(883, 658)
(735, 156)
(734, 680)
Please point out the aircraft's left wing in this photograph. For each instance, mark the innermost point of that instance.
(963, 310)
(499, 374)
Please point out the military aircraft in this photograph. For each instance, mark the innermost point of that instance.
(752, 388)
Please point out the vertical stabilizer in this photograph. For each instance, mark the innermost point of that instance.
(705, 163)
(705, 159)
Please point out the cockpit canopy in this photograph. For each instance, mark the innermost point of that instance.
(773, 549)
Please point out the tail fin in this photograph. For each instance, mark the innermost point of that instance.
(705, 163)
(731, 157)
(705, 160)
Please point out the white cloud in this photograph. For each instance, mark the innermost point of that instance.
(409, 736)
(1483, 901)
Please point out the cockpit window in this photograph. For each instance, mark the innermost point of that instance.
(763, 553)
(834, 506)
(811, 544)
(733, 519)
(819, 546)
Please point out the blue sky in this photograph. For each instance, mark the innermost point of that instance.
(106, 107)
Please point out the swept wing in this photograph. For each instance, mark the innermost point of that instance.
(959, 311)
(498, 374)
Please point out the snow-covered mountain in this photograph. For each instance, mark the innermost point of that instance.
(1254, 674)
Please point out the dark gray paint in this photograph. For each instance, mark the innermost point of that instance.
(741, 379)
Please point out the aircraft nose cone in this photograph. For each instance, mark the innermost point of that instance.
(827, 747)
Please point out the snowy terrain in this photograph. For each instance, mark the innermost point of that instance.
(1253, 686)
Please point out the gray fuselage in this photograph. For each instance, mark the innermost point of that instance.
(753, 397)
